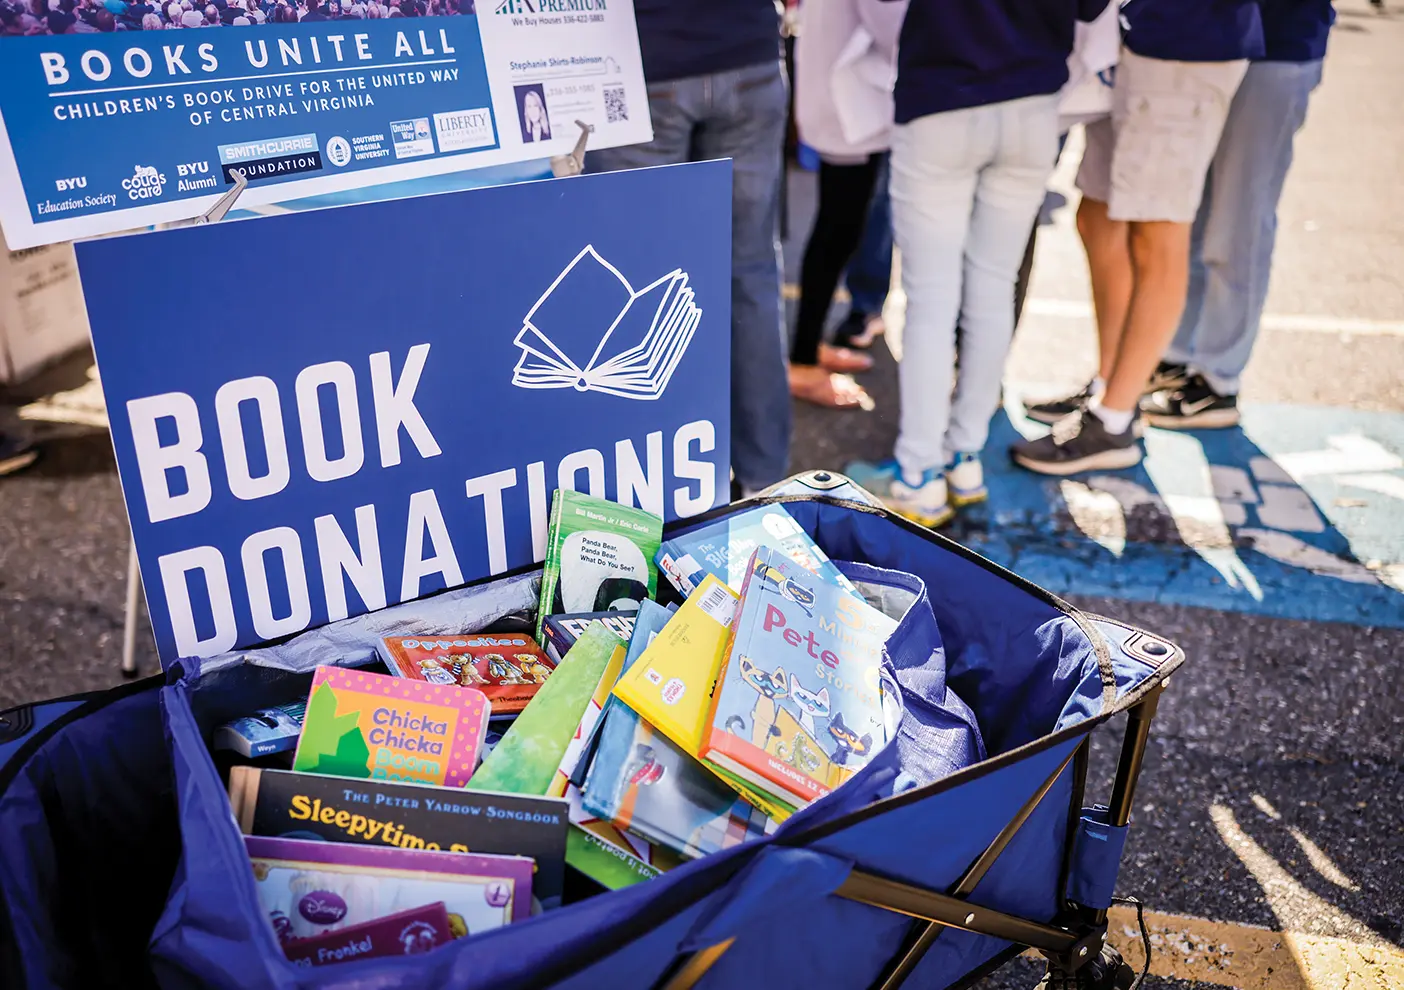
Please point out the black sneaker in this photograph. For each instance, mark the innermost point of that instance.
(1055, 409)
(1079, 442)
(1193, 406)
(16, 454)
(1166, 375)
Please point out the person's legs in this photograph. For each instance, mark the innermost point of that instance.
(1008, 194)
(844, 191)
(746, 123)
(1167, 118)
(870, 270)
(1171, 117)
(935, 167)
(1108, 252)
(1237, 223)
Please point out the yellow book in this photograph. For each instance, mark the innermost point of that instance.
(671, 684)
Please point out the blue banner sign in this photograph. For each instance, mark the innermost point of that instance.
(113, 115)
(348, 408)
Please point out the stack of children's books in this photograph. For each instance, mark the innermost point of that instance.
(464, 786)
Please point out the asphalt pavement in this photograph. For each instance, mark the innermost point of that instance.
(1267, 840)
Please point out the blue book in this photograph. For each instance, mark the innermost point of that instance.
(642, 782)
(724, 547)
(798, 707)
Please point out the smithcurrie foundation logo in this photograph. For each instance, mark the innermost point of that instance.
(593, 332)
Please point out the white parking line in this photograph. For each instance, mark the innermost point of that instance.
(1072, 309)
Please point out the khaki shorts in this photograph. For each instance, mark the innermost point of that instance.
(1149, 160)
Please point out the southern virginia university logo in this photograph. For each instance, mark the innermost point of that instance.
(591, 331)
(146, 183)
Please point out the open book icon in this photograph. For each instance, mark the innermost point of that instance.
(591, 331)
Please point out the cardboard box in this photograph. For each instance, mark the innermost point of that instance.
(42, 317)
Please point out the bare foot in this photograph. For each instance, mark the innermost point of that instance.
(842, 359)
(824, 388)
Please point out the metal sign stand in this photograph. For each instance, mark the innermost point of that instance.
(214, 214)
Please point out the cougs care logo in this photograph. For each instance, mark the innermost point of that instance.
(147, 183)
(322, 907)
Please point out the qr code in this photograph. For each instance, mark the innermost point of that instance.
(616, 107)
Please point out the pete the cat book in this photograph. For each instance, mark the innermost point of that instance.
(360, 724)
(798, 708)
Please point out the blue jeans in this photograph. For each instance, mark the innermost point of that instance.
(1236, 227)
(739, 114)
(870, 271)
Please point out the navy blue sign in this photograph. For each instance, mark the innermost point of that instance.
(323, 413)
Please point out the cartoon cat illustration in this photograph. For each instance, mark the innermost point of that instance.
(769, 688)
(811, 704)
(847, 743)
(532, 667)
(786, 588)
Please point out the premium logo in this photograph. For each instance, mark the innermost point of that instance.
(146, 183)
(516, 7)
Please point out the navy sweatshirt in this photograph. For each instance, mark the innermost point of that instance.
(955, 54)
(1193, 30)
(1296, 30)
(681, 38)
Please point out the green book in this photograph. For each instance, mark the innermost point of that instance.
(527, 757)
(599, 557)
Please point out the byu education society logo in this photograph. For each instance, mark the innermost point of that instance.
(591, 331)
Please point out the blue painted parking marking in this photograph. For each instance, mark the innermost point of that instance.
(1296, 514)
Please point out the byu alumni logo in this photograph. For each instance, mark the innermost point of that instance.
(592, 332)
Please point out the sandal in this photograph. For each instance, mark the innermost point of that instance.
(825, 388)
(842, 359)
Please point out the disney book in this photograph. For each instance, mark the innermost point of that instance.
(360, 724)
(599, 557)
(724, 548)
(798, 706)
(507, 667)
(310, 888)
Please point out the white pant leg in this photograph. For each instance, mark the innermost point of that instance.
(1008, 195)
(936, 161)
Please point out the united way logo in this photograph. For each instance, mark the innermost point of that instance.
(593, 332)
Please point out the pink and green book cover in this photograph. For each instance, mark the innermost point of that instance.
(360, 724)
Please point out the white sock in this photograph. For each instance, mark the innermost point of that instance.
(1098, 386)
(1113, 419)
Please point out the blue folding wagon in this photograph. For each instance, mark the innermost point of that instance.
(121, 864)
